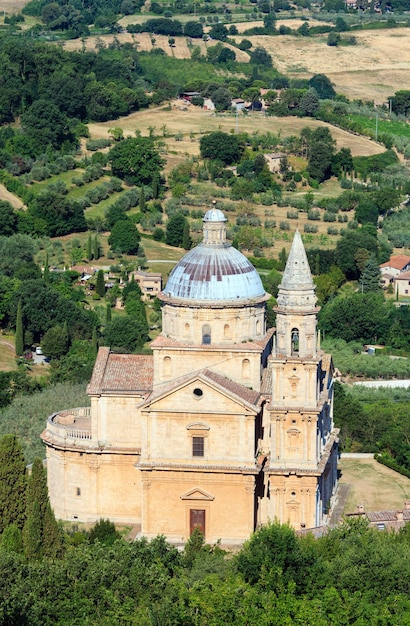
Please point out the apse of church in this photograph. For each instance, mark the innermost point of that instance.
(226, 425)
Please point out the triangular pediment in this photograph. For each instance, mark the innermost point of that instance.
(197, 494)
(199, 392)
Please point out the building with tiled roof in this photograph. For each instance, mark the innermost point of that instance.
(385, 520)
(402, 285)
(396, 264)
(226, 425)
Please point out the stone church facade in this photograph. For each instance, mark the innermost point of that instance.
(227, 425)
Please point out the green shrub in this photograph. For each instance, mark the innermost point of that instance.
(313, 214)
(98, 144)
(310, 228)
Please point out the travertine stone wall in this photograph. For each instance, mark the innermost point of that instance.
(87, 487)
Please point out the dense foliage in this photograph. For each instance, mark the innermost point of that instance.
(47, 83)
(350, 572)
(25, 417)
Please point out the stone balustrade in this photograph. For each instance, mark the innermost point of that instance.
(71, 424)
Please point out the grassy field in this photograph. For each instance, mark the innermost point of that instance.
(401, 129)
(375, 486)
(7, 354)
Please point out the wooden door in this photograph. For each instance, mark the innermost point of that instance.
(197, 520)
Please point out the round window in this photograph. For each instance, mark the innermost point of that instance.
(198, 393)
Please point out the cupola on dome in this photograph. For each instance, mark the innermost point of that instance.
(214, 270)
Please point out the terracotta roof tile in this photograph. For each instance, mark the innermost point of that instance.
(397, 261)
(126, 373)
(403, 276)
(387, 516)
(242, 392)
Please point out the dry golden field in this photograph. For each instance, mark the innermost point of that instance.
(291, 23)
(375, 486)
(375, 68)
(187, 119)
(12, 6)
(142, 42)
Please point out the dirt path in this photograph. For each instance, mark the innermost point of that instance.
(15, 202)
(8, 344)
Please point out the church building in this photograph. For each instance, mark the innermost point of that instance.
(227, 425)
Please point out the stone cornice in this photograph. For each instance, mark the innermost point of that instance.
(184, 467)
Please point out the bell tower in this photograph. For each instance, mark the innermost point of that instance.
(300, 473)
(296, 306)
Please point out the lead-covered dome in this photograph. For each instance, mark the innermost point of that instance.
(214, 270)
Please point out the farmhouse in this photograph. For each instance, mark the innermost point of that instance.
(227, 425)
(402, 283)
(395, 265)
(273, 160)
(396, 271)
(150, 283)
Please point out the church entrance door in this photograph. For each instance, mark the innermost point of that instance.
(197, 520)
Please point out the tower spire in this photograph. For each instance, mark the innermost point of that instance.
(297, 271)
(296, 305)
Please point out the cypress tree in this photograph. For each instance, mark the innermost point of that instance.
(13, 483)
(317, 264)
(12, 540)
(100, 285)
(282, 258)
(186, 238)
(96, 245)
(94, 339)
(53, 543)
(155, 186)
(142, 200)
(66, 334)
(46, 273)
(108, 315)
(41, 535)
(33, 532)
(19, 343)
(89, 248)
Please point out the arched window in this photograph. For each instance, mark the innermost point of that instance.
(227, 331)
(246, 369)
(295, 341)
(258, 327)
(186, 330)
(167, 366)
(206, 334)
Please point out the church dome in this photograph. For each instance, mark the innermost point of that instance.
(214, 270)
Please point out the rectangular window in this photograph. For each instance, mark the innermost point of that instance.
(197, 446)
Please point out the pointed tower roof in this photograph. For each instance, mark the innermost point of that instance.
(297, 289)
(297, 273)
